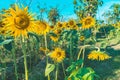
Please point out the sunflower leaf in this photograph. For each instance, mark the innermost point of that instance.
(49, 68)
(6, 42)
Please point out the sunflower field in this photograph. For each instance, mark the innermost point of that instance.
(35, 47)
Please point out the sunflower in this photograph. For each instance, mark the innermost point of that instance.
(66, 26)
(116, 25)
(98, 55)
(71, 23)
(54, 38)
(75, 27)
(18, 21)
(82, 38)
(52, 28)
(1, 24)
(88, 22)
(2, 29)
(58, 55)
(57, 31)
(42, 27)
(59, 25)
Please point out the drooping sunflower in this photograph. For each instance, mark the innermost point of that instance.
(42, 27)
(18, 21)
(98, 55)
(58, 55)
(88, 22)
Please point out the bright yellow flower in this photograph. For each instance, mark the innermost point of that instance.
(54, 38)
(82, 38)
(57, 31)
(59, 25)
(75, 27)
(1, 24)
(18, 21)
(71, 23)
(66, 26)
(58, 55)
(88, 22)
(52, 28)
(116, 25)
(42, 27)
(98, 55)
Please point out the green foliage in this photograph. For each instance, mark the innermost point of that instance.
(74, 64)
(86, 7)
(6, 42)
(83, 74)
(78, 73)
(53, 15)
(49, 69)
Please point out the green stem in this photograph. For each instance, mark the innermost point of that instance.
(25, 60)
(63, 69)
(46, 52)
(4, 75)
(79, 53)
(83, 56)
(46, 47)
(15, 62)
(71, 55)
(56, 74)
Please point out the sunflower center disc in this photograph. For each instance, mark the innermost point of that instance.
(88, 21)
(60, 25)
(58, 54)
(71, 23)
(21, 22)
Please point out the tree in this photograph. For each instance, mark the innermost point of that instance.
(85, 8)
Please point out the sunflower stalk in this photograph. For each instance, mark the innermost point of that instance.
(56, 74)
(4, 75)
(63, 69)
(71, 55)
(79, 54)
(25, 59)
(3, 66)
(15, 62)
(45, 37)
(83, 56)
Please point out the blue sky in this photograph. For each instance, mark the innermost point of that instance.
(65, 6)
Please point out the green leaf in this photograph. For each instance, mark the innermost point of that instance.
(70, 68)
(35, 35)
(73, 75)
(6, 42)
(89, 75)
(49, 68)
(78, 62)
(8, 46)
(82, 72)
